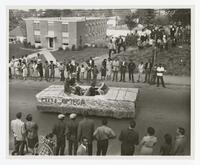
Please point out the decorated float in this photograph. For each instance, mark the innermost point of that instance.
(112, 102)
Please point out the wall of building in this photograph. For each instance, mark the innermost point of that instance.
(72, 33)
(81, 32)
(44, 33)
(30, 32)
(95, 30)
(91, 31)
(58, 34)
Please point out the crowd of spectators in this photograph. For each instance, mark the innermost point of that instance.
(110, 70)
(163, 37)
(80, 136)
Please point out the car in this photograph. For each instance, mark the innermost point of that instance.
(115, 102)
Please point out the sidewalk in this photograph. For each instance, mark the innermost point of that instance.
(179, 80)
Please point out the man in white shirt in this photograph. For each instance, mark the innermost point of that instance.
(83, 147)
(160, 70)
(102, 134)
(18, 129)
(115, 66)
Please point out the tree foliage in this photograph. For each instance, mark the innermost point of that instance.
(130, 21)
(52, 13)
(162, 20)
(13, 22)
(16, 19)
(146, 16)
(179, 15)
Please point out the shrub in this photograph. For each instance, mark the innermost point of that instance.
(60, 48)
(67, 49)
(25, 43)
(85, 46)
(73, 47)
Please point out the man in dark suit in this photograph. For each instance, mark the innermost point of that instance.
(131, 69)
(72, 127)
(86, 129)
(129, 138)
(123, 70)
(59, 130)
(148, 67)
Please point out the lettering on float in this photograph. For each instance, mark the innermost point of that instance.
(69, 101)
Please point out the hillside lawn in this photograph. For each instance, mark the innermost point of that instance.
(18, 50)
(79, 56)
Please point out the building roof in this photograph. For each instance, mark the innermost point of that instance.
(65, 19)
(17, 32)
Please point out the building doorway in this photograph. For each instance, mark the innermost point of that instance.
(51, 43)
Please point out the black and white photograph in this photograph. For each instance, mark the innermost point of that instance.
(99, 81)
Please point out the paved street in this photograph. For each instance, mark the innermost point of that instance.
(164, 109)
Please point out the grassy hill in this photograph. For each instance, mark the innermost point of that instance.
(177, 61)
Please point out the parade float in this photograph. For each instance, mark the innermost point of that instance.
(115, 102)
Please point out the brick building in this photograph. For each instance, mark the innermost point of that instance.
(56, 32)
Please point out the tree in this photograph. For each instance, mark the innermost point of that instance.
(13, 22)
(130, 21)
(162, 20)
(33, 12)
(52, 13)
(146, 16)
(66, 13)
(179, 15)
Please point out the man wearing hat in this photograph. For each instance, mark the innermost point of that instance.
(86, 129)
(72, 127)
(59, 130)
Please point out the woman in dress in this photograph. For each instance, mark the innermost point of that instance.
(31, 132)
(31, 69)
(140, 71)
(109, 69)
(148, 142)
(24, 70)
(82, 72)
(35, 70)
(46, 71)
(17, 68)
(103, 70)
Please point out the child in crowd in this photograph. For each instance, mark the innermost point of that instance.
(82, 72)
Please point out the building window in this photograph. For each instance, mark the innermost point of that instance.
(50, 26)
(65, 34)
(65, 28)
(36, 32)
(65, 41)
(37, 39)
(36, 26)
